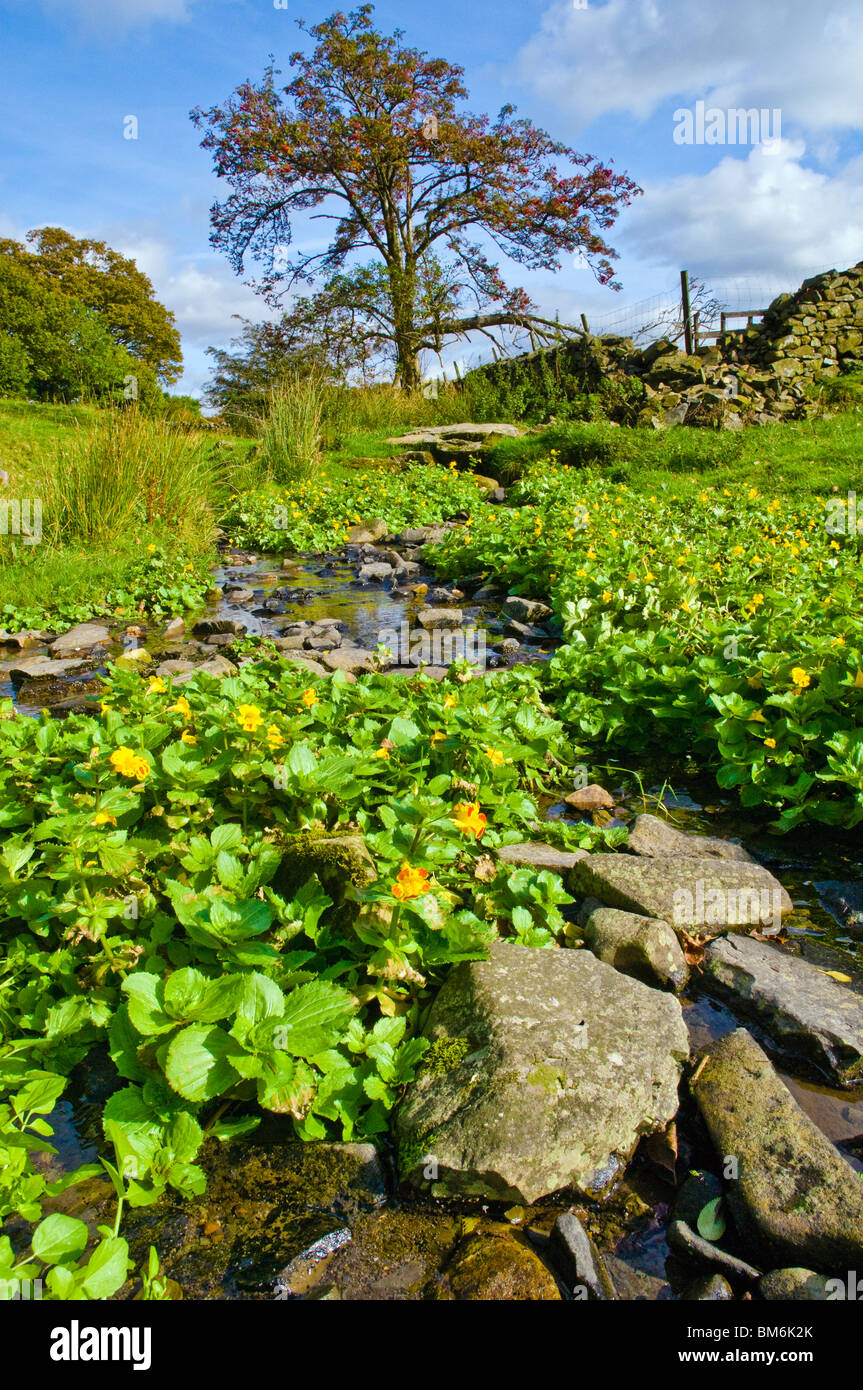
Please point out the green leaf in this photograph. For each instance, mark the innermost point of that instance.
(314, 1017)
(59, 1238)
(711, 1222)
(145, 993)
(196, 1064)
(105, 1271)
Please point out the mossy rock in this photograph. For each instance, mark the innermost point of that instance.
(337, 861)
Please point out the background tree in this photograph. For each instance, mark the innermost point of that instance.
(111, 285)
(369, 136)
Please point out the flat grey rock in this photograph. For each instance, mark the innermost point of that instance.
(709, 894)
(80, 638)
(801, 1008)
(431, 618)
(531, 854)
(652, 836)
(644, 947)
(565, 1064)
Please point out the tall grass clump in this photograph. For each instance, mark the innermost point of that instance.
(290, 433)
(135, 471)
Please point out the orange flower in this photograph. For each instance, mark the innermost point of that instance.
(410, 882)
(469, 819)
(310, 698)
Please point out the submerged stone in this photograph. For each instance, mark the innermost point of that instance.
(488, 1267)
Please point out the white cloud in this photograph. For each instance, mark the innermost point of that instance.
(768, 215)
(636, 55)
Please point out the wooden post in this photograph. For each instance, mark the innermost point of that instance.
(696, 319)
(687, 317)
(584, 324)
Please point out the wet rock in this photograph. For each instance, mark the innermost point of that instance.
(578, 1260)
(845, 900)
(525, 610)
(220, 639)
(796, 1285)
(286, 1248)
(524, 631)
(316, 1176)
(289, 644)
(351, 659)
(216, 666)
(688, 1243)
(312, 667)
(174, 630)
(488, 1267)
(431, 618)
(710, 894)
(804, 1012)
(486, 592)
(324, 643)
(643, 947)
(710, 1288)
(592, 798)
(652, 836)
(237, 596)
(509, 647)
(367, 532)
(212, 627)
(795, 1197)
(566, 1064)
(531, 854)
(32, 637)
(369, 573)
(79, 638)
(40, 668)
(634, 1285)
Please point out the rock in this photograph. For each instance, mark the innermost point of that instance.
(367, 532)
(795, 1198)
(422, 535)
(286, 1249)
(486, 592)
(524, 631)
(845, 901)
(352, 659)
(216, 666)
(694, 1247)
(174, 630)
(79, 639)
(796, 1285)
(578, 1259)
(633, 1285)
(220, 639)
(592, 798)
(652, 836)
(710, 894)
(309, 665)
(508, 648)
(437, 434)
(289, 644)
(488, 1267)
(431, 618)
(566, 1065)
(315, 1176)
(212, 627)
(806, 1013)
(525, 610)
(337, 860)
(237, 595)
(32, 637)
(710, 1288)
(40, 668)
(530, 854)
(368, 573)
(643, 947)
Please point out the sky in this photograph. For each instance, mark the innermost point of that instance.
(608, 77)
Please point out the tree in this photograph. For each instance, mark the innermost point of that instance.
(113, 286)
(369, 135)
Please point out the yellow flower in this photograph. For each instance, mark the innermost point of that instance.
(129, 763)
(738, 550)
(182, 706)
(310, 698)
(157, 686)
(649, 577)
(469, 819)
(770, 743)
(410, 882)
(274, 737)
(249, 718)
(753, 493)
(800, 677)
(102, 818)
(607, 596)
(450, 702)
(151, 549)
(188, 737)
(757, 717)
(495, 757)
(383, 752)
(437, 737)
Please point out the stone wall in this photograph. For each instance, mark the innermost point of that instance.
(768, 372)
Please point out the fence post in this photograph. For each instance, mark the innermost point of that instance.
(687, 319)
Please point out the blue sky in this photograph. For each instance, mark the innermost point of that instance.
(605, 77)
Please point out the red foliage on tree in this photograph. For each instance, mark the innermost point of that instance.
(369, 135)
